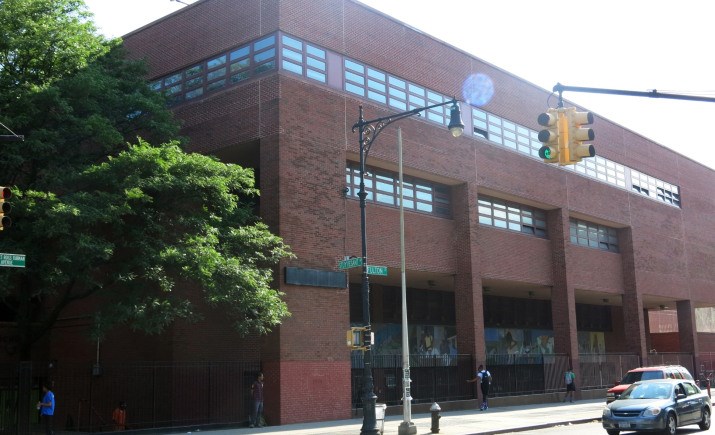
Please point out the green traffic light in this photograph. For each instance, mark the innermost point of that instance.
(545, 152)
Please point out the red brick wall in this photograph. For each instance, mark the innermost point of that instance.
(666, 342)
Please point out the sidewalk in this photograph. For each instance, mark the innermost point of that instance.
(474, 422)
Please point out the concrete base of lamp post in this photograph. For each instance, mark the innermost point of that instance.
(407, 428)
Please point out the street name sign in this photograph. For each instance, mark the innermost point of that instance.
(377, 270)
(350, 263)
(12, 260)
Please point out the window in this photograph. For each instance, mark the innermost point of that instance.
(383, 187)
(655, 188)
(303, 59)
(511, 216)
(392, 91)
(231, 67)
(593, 235)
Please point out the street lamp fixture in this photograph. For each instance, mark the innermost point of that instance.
(368, 132)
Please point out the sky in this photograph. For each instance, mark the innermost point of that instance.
(636, 45)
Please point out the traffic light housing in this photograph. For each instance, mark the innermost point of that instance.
(577, 135)
(359, 338)
(5, 207)
(550, 135)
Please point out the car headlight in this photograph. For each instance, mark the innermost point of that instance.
(606, 412)
(652, 412)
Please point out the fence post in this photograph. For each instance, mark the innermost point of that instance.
(24, 387)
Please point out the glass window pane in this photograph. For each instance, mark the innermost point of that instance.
(287, 40)
(293, 55)
(315, 51)
(216, 62)
(375, 74)
(260, 57)
(264, 43)
(290, 66)
(398, 104)
(194, 70)
(354, 66)
(315, 75)
(215, 85)
(240, 53)
(216, 74)
(315, 63)
(424, 207)
(241, 64)
(398, 83)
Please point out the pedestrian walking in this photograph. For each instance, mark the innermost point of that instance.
(47, 408)
(256, 418)
(119, 417)
(485, 380)
(570, 380)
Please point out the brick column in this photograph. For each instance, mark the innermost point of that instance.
(634, 321)
(563, 296)
(688, 333)
(469, 305)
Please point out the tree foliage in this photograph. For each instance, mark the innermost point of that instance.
(145, 230)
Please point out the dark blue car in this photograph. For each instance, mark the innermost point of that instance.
(660, 405)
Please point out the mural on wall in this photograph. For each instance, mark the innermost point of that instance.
(591, 342)
(513, 341)
(423, 339)
(442, 340)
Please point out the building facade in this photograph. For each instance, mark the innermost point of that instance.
(505, 254)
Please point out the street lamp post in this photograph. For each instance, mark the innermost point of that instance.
(368, 132)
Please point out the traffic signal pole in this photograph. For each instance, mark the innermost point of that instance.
(650, 94)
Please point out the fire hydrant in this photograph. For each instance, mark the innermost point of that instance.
(435, 409)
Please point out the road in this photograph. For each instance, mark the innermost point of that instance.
(596, 429)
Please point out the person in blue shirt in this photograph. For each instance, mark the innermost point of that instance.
(47, 408)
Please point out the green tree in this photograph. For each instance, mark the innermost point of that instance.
(145, 231)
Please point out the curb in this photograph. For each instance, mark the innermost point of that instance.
(536, 426)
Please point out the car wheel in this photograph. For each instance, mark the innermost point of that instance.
(612, 431)
(705, 421)
(670, 425)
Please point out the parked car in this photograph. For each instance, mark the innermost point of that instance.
(658, 405)
(645, 373)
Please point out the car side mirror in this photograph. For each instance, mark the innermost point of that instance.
(680, 396)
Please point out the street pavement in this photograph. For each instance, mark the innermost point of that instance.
(498, 420)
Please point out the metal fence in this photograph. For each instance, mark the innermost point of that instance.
(434, 378)
(526, 374)
(604, 370)
(157, 394)
(672, 358)
(442, 377)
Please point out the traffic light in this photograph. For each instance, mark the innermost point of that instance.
(578, 134)
(5, 207)
(549, 136)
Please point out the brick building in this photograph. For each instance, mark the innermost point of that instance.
(505, 254)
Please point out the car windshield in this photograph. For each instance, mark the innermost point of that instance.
(633, 377)
(647, 391)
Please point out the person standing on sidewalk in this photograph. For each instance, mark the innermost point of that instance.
(257, 397)
(570, 380)
(47, 408)
(485, 380)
